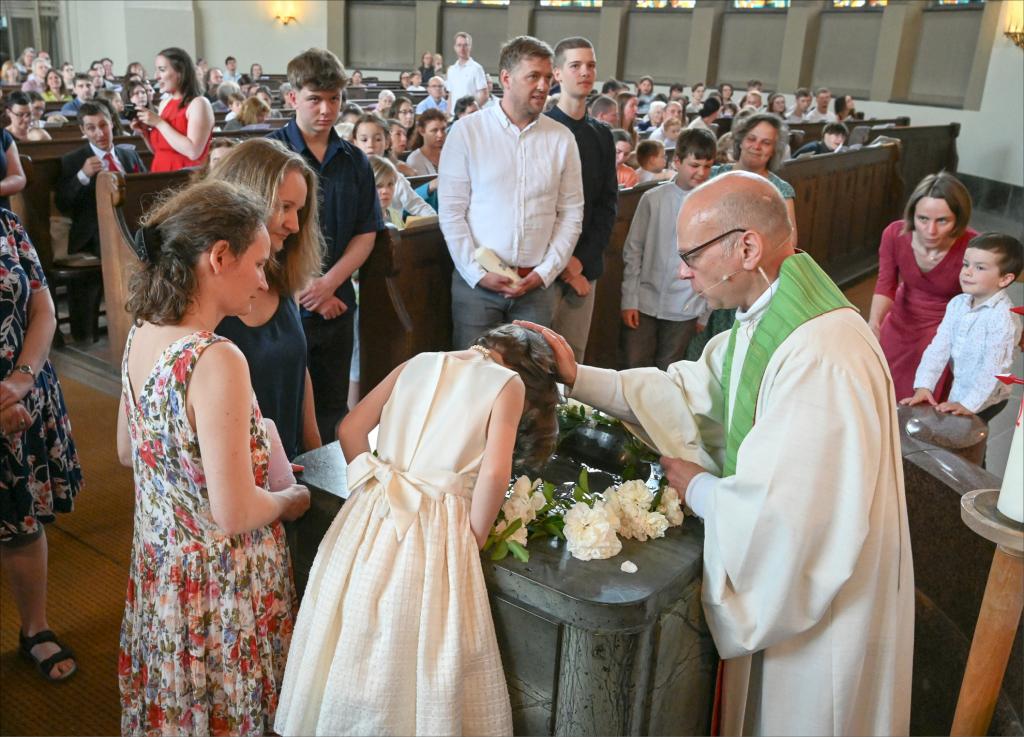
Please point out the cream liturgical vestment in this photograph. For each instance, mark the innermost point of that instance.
(808, 581)
(394, 635)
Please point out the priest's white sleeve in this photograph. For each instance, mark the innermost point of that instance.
(677, 412)
(786, 531)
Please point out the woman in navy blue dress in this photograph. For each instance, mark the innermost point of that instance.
(39, 469)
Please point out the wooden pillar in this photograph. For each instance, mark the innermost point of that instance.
(897, 45)
(803, 22)
(428, 27)
(337, 29)
(702, 50)
(991, 23)
(990, 649)
(611, 40)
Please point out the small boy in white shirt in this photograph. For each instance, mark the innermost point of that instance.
(659, 310)
(978, 333)
(650, 155)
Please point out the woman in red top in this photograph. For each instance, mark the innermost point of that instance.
(179, 136)
(919, 264)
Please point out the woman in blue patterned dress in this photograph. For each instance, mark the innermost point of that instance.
(39, 469)
(210, 603)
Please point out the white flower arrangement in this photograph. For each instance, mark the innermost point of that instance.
(590, 524)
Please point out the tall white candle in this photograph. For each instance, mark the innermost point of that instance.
(1011, 496)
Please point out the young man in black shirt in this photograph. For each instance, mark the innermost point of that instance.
(575, 69)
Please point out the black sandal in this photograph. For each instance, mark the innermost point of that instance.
(25, 645)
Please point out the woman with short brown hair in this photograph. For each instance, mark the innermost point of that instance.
(919, 263)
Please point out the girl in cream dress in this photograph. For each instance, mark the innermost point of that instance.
(394, 635)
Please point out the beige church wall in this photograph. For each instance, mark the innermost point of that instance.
(653, 44)
(751, 47)
(554, 25)
(844, 58)
(152, 25)
(249, 32)
(942, 65)
(97, 29)
(395, 47)
(990, 142)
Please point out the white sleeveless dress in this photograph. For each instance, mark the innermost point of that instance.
(394, 635)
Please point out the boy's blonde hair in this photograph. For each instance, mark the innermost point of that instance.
(647, 150)
(382, 169)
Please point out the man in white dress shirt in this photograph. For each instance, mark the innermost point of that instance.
(465, 76)
(510, 181)
(784, 438)
(821, 113)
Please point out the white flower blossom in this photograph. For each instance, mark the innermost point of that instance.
(632, 501)
(671, 506)
(523, 503)
(590, 531)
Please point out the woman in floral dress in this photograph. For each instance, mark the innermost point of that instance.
(210, 602)
(39, 469)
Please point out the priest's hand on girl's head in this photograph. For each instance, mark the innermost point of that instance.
(565, 361)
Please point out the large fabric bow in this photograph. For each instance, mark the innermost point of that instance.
(403, 490)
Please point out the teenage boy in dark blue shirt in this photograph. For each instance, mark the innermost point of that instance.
(349, 218)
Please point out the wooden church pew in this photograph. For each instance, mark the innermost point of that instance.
(120, 203)
(927, 149)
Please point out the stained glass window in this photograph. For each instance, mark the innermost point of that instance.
(571, 3)
(665, 4)
(761, 4)
(859, 3)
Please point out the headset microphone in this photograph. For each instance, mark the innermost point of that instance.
(719, 283)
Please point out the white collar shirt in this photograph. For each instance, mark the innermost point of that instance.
(979, 341)
(465, 78)
(516, 192)
(100, 154)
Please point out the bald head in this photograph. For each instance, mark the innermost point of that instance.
(737, 200)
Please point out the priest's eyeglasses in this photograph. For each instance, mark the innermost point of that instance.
(689, 256)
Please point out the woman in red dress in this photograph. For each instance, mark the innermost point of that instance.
(919, 264)
(179, 136)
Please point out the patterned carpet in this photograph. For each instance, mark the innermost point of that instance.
(88, 569)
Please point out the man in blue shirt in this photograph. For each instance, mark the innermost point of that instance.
(435, 97)
(83, 93)
(349, 218)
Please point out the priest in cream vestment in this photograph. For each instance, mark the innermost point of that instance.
(784, 437)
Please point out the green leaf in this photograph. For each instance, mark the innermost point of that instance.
(500, 551)
(584, 481)
(657, 500)
(548, 490)
(510, 529)
(521, 553)
(538, 534)
(491, 539)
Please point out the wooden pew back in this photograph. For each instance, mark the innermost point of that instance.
(603, 341)
(120, 202)
(843, 202)
(927, 149)
(405, 299)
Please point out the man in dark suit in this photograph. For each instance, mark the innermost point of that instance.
(76, 198)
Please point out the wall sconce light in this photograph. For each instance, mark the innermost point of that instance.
(1015, 24)
(286, 19)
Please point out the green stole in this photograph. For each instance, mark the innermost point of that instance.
(804, 292)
